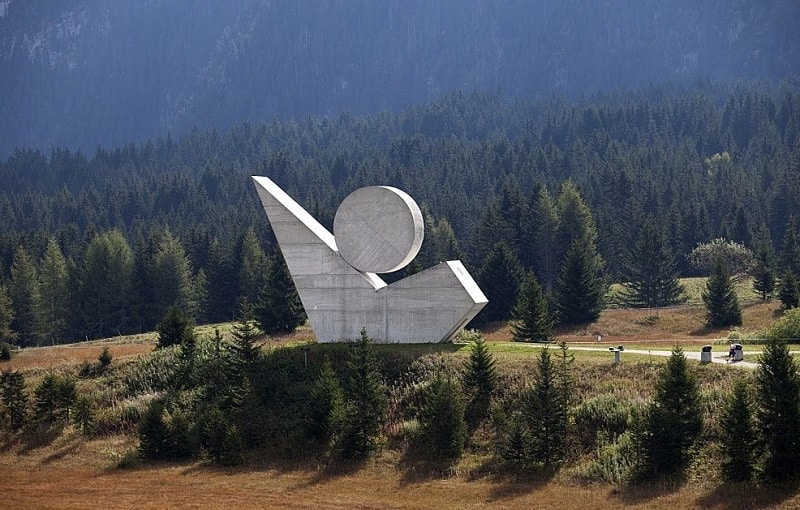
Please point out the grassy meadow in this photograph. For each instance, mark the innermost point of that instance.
(66, 468)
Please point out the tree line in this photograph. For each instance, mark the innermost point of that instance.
(115, 289)
(620, 187)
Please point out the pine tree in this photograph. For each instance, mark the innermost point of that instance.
(763, 271)
(649, 272)
(327, 407)
(154, 433)
(443, 429)
(789, 291)
(222, 281)
(790, 248)
(24, 290)
(244, 351)
(253, 267)
(174, 329)
(673, 422)
(580, 290)
(170, 277)
(106, 285)
(366, 403)
(480, 380)
(6, 317)
(738, 435)
(279, 309)
(52, 310)
(778, 410)
(719, 296)
(542, 223)
(53, 398)
(546, 414)
(15, 399)
(532, 319)
(499, 278)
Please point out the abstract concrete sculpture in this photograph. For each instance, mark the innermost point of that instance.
(378, 229)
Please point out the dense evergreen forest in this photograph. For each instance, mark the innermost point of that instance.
(101, 244)
(78, 73)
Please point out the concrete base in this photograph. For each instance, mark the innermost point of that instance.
(430, 306)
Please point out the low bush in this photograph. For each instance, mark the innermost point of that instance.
(786, 329)
(5, 351)
(601, 418)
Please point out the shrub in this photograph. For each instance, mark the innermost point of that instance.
(5, 351)
(787, 328)
(602, 417)
(104, 359)
(612, 462)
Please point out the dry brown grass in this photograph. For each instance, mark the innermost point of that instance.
(73, 472)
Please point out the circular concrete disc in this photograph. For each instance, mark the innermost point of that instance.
(378, 229)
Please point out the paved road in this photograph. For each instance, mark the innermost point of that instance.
(718, 357)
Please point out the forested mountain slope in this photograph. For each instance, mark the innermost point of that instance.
(698, 164)
(79, 73)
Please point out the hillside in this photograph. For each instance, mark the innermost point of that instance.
(84, 73)
(66, 467)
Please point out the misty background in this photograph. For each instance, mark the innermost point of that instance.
(88, 73)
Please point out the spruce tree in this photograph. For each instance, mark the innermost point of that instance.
(790, 248)
(480, 380)
(6, 317)
(24, 291)
(778, 410)
(14, 399)
(789, 291)
(532, 319)
(52, 307)
(170, 277)
(106, 287)
(649, 272)
(244, 352)
(174, 329)
(279, 309)
(719, 296)
(546, 414)
(673, 421)
(763, 271)
(738, 435)
(253, 266)
(499, 278)
(542, 223)
(443, 429)
(366, 403)
(580, 290)
(327, 407)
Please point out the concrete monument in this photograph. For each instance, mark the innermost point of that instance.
(378, 229)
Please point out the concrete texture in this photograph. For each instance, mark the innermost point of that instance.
(378, 229)
(340, 300)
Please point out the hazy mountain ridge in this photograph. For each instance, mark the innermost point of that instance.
(87, 72)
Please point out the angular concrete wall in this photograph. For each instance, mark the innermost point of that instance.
(430, 306)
